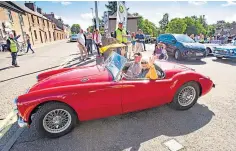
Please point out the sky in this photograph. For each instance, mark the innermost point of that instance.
(81, 12)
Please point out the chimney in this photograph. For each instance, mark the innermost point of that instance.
(52, 14)
(31, 6)
(39, 10)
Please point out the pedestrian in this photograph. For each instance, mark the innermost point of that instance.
(139, 41)
(97, 37)
(121, 35)
(133, 41)
(81, 45)
(12, 47)
(144, 46)
(89, 41)
(29, 44)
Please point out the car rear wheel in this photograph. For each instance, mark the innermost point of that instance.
(54, 119)
(177, 55)
(186, 96)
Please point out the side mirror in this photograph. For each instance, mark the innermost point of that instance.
(173, 41)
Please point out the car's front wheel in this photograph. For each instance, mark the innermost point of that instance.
(55, 119)
(186, 96)
(177, 55)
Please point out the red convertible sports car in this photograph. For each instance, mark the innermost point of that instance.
(64, 96)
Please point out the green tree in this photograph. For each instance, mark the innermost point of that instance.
(164, 22)
(176, 26)
(210, 30)
(191, 28)
(75, 28)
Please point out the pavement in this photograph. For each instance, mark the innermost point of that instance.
(209, 125)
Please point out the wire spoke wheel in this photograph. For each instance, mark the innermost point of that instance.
(186, 96)
(57, 121)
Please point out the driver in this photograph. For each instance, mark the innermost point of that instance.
(134, 68)
(148, 69)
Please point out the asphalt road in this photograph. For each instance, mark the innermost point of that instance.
(209, 125)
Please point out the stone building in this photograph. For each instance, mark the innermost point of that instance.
(14, 20)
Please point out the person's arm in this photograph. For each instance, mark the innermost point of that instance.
(17, 37)
(152, 73)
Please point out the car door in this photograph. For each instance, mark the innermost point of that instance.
(102, 100)
(171, 45)
(143, 94)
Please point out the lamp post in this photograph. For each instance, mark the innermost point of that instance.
(96, 13)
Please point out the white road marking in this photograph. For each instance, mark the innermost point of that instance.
(6, 120)
(173, 145)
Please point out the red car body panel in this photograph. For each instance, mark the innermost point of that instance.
(93, 94)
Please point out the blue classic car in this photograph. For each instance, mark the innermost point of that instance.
(225, 51)
(182, 46)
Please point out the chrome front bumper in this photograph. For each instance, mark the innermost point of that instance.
(20, 121)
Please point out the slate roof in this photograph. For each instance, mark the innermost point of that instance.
(26, 9)
(9, 6)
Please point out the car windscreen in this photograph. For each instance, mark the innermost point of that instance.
(184, 38)
(115, 64)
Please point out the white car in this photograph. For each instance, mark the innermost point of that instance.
(210, 46)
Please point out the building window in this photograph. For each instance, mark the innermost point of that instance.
(9, 15)
(21, 19)
(35, 34)
(49, 34)
(43, 22)
(48, 23)
(38, 19)
(46, 38)
(32, 17)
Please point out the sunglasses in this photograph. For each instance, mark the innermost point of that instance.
(143, 62)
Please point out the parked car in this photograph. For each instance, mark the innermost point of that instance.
(225, 51)
(147, 39)
(210, 46)
(182, 46)
(73, 38)
(63, 96)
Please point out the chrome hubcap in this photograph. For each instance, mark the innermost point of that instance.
(57, 121)
(186, 96)
(176, 55)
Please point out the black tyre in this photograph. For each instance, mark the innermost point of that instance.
(54, 119)
(208, 51)
(177, 55)
(186, 96)
(219, 57)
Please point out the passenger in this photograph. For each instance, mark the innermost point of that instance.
(134, 68)
(148, 69)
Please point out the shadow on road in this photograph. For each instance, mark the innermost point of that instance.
(187, 62)
(27, 74)
(5, 68)
(121, 132)
(226, 61)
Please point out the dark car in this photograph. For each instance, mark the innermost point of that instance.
(182, 46)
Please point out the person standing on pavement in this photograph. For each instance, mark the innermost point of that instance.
(81, 45)
(12, 47)
(121, 35)
(144, 46)
(139, 41)
(89, 42)
(29, 45)
(98, 40)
